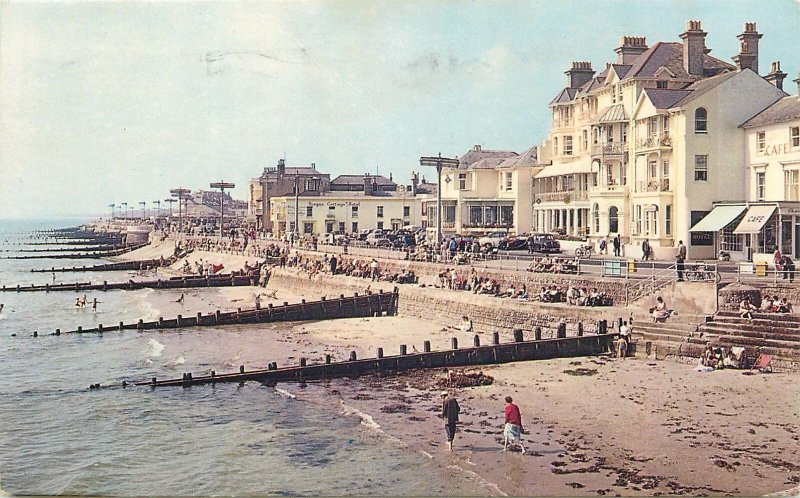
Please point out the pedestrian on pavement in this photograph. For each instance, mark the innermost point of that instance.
(788, 267)
(645, 250)
(604, 245)
(680, 257)
(512, 431)
(617, 245)
(450, 410)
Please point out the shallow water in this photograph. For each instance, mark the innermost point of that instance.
(57, 437)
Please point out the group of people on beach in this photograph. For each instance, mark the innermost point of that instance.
(512, 426)
(80, 302)
(769, 304)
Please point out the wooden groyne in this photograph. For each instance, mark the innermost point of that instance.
(68, 242)
(89, 248)
(86, 255)
(171, 283)
(495, 353)
(146, 264)
(355, 306)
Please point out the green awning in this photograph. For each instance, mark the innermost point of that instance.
(718, 218)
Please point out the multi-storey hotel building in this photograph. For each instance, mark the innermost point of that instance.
(645, 148)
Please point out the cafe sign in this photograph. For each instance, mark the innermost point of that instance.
(775, 149)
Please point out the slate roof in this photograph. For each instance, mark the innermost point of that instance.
(665, 99)
(670, 55)
(782, 111)
(529, 159)
(484, 159)
(359, 180)
(564, 96)
(621, 69)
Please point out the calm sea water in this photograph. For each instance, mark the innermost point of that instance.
(57, 437)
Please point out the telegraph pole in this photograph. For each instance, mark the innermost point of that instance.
(221, 185)
(439, 163)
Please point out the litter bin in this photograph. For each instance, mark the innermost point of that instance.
(761, 269)
(631, 266)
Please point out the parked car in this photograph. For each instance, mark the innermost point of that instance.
(516, 242)
(493, 239)
(544, 243)
(375, 238)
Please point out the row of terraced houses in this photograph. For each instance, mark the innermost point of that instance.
(667, 143)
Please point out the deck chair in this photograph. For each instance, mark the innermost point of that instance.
(762, 363)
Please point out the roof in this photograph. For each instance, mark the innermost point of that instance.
(564, 96)
(612, 114)
(663, 98)
(621, 69)
(528, 159)
(700, 87)
(785, 109)
(301, 170)
(478, 158)
(359, 180)
(670, 55)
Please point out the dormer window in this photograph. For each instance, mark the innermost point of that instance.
(701, 120)
(662, 84)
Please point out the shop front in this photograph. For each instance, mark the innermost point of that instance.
(752, 231)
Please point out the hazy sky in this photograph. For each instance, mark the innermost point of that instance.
(118, 101)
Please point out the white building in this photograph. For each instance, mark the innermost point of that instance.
(489, 190)
(645, 148)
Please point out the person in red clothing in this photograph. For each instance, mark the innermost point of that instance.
(512, 431)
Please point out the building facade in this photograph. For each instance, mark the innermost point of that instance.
(644, 148)
(489, 190)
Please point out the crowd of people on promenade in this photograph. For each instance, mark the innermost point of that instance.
(366, 268)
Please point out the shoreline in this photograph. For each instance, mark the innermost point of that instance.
(703, 433)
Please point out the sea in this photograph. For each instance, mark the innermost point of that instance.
(58, 437)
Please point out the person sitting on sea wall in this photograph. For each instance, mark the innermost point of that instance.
(660, 311)
(746, 309)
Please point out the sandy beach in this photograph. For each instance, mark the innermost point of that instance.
(595, 426)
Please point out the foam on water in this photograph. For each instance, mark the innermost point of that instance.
(284, 393)
(153, 348)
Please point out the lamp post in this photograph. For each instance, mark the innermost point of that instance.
(157, 202)
(221, 185)
(126, 209)
(297, 204)
(438, 162)
(144, 209)
(171, 201)
(112, 206)
(180, 193)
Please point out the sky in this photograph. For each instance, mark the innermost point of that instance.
(112, 102)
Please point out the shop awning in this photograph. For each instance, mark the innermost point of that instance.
(755, 219)
(718, 218)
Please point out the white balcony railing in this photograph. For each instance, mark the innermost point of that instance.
(662, 140)
(568, 196)
(610, 149)
(656, 185)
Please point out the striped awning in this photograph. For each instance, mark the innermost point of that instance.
(755, 219)
(718, 218)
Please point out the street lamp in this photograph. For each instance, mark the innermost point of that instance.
(221, 185)
(297, 205)
(180, 193)
(438, 162)
(157, 202)
(144, 209)
(112, 206)
(126, 209)
(170, 201)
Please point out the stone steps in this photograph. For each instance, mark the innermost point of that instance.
(756, 332)
(770, 317)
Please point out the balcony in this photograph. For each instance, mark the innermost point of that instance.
(655, 142)
(487, 225)
(610, 191)
(656, 185)
(565, 197)
(610, 149)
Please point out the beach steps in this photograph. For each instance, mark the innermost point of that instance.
(171, 283)
(85, 255)
(146, 264)
(495, 353)
(365, 305)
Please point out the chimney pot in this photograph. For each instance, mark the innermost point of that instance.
(750, 36)
(477, 148)
(694, 48)
(776, 76)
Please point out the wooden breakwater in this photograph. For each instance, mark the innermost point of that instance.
(68, 242)
(495, 353)
(88, 248)
(170, 283)
(355, 306)
(146, 264)
(86, 255)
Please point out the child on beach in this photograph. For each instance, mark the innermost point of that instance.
(512, 431)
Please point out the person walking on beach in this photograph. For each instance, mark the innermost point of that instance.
(512, 431)
(258, 301)
(450, 410)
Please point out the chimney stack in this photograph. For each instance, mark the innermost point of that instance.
(776, 76)
(694, 48)
(414, 182)
(579, 73)
(744, 59)
(629, 48)
(281, 168)
(367, 184)
(751, 37)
